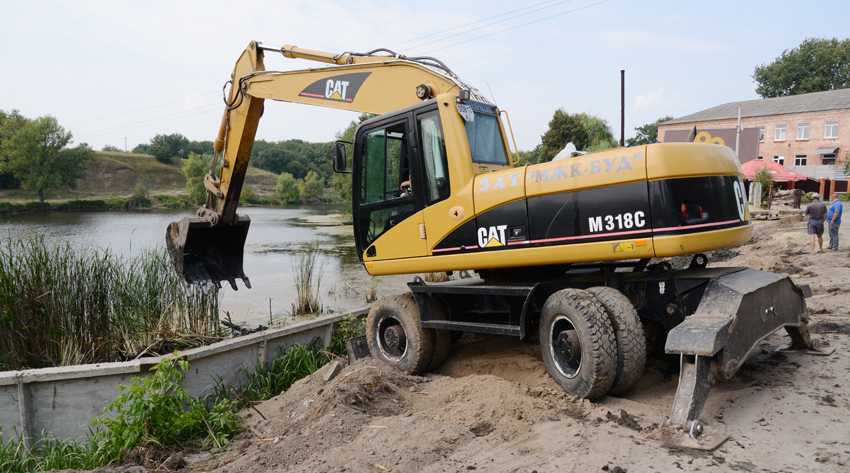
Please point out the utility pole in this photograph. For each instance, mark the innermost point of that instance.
(622, 107)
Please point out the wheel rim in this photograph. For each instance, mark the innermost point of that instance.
(565, 347)
(392, 339)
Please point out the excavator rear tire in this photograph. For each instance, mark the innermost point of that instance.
(631, 344)
(578, 344)
(395, 335)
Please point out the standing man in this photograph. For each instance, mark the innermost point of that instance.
(834, 219)
(816, 212)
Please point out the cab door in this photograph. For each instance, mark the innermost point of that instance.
(387, 224)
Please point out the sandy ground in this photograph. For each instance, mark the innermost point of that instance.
(492, 406)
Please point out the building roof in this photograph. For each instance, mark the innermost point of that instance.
(813, 102)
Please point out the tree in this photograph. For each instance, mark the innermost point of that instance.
(287, 189)
(9, 124)
(814, 66)
(563, 128)
(194, 170)
(112, 149)
(648, 133)
(36, 155)
(601, 136)
(166, 147)
(311, 187)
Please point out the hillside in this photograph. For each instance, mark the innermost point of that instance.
(116, 174)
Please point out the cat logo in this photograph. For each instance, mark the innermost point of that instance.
(341, 88)
(624, 247)
(492, 236)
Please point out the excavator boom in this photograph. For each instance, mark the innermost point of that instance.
(208, 248)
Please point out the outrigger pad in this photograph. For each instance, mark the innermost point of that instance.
(204, 254)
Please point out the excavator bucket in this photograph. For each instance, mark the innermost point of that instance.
(204, 254)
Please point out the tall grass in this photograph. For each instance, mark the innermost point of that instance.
(60, 306)
(50, 454)
(307, 273)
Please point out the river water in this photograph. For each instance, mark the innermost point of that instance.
(276, 237)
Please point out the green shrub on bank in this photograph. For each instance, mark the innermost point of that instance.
(170, 202)
(151, 412)
(9, 207)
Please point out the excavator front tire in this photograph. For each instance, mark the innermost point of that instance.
(578, 344)
(395, 335)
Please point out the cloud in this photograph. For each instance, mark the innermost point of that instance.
(656, 100)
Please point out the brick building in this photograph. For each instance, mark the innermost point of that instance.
(809, 133)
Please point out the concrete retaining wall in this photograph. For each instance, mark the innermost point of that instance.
(64, 401)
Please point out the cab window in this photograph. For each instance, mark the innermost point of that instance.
(385, 198)
(434, 162)
(485, 139)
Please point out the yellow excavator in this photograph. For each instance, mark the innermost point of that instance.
(562, 250)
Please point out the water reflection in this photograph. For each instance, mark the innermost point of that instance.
(276, 237)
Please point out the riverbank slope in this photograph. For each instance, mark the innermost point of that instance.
(115, 175)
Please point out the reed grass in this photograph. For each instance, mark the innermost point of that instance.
(307, 274)
(50, 454)
(61, 306)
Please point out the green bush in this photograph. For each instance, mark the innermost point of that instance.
(170, 202)
(151, 412)
(37, 206)
(845, 197)
(8, 207)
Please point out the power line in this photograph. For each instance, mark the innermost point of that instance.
(491, 24)
(144, 123)
(140, 110)
(518, 26)
(471, 23)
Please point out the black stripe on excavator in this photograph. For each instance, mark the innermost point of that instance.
(627, 211)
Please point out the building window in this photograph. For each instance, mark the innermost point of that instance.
(761, 158)
(779, 133)
(831, 130)
(802, 131)
(828, 159)
(779, 159)
(761, 133)
(800, 160)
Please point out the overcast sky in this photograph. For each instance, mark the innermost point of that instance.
(110, 70)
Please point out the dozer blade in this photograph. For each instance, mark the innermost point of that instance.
(204, 254)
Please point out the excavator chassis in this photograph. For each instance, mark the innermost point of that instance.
(713, 317)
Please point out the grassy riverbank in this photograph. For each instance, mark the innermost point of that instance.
(115, 175)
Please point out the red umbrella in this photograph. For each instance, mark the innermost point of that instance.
(780, 173)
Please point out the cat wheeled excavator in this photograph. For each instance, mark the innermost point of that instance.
(562, 250)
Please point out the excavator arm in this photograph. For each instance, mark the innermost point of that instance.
(208, 248)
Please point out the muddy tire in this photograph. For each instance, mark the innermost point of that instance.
(442, 340)
(628, 330)
(578, 344)
(395, 335)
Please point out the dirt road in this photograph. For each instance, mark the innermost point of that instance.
(492, 407)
